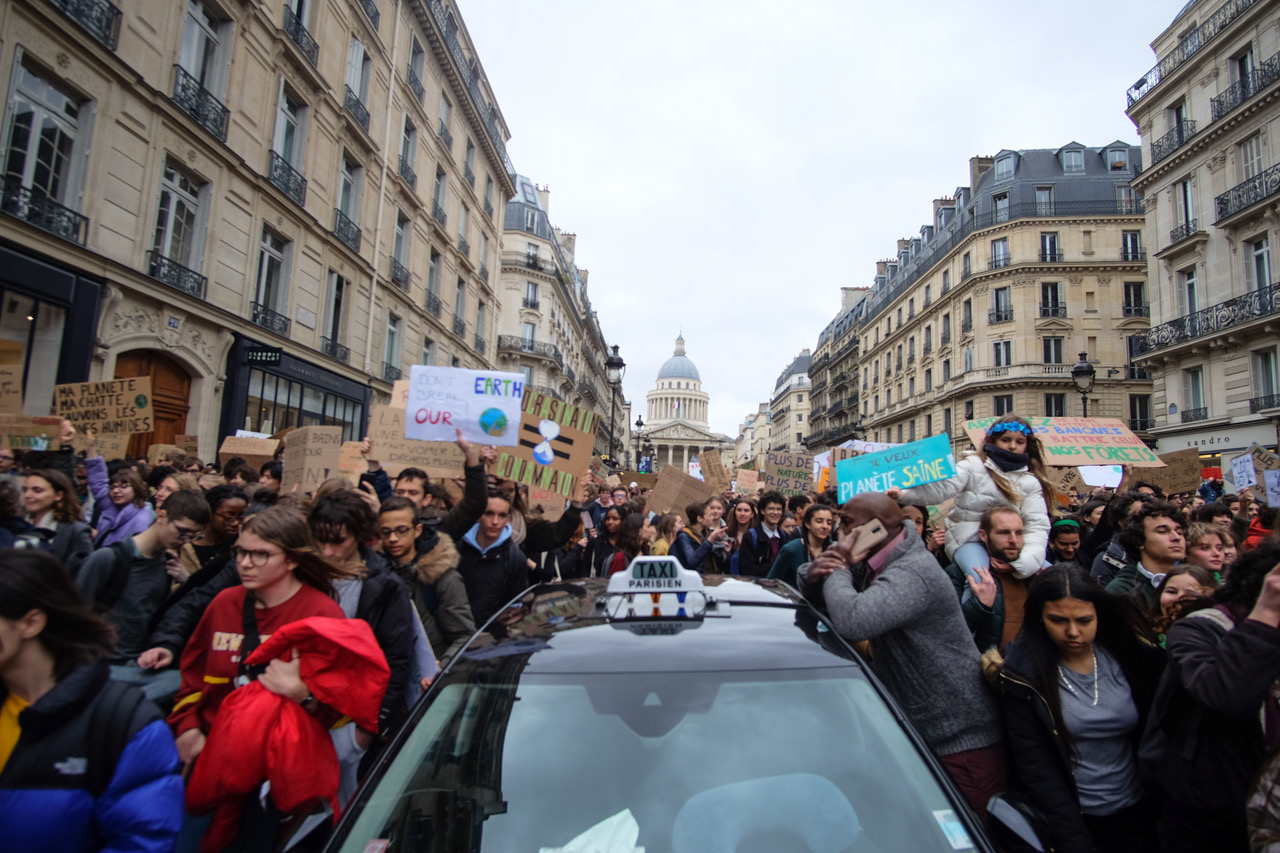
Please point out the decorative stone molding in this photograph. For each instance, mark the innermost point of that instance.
(1217, 161)
(1104, 280)
(1075, 280)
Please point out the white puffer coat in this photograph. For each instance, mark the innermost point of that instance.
(975, 492)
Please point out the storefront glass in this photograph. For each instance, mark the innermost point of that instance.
(276, 403)
(31, 342)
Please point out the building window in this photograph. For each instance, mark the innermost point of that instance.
(392, 352)
(968, 410)
(1193, 388)
(531, 294)
(1003, 353)
(408, 146)
(1055, 405)
(400, 244)
(334, 303)
(1188, 298)
(1135, 298)
(272, 285)
(1124, 198)
(911, 430)
(1051, 299)
(1264, 375)
(527, 334)
(460, 301)
(428, 351)
(966, 316)
(928, 425)
(1131, 246)
(911, 386)
(1053, 350)
(1184, 204)
(488, 193)
(946, 370)
(799, 418)
(899, 318)
(946, 421)
(179, 225)
(928, 338)
(433, 273)
(1118, 159)
(48, 134)
(480, 319)
(967, 267)
(1000, 203)
(1000, 252)
(1002, 404)
(1251, 157)
(445, 108)
(358, 66)
(899, 433)
(928, 295)
(291, 128)
(349, 181)
(469, 159)
(928, 379)
(799, 398)
(968, 359)
(1004, 168)
(1073, 161)
(1140, 411)
(1044, 201)
(1259, 272)
(946, 280)
(1049, 249)
(438, 190)
(205, 48)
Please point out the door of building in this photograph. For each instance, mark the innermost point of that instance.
(170, 395)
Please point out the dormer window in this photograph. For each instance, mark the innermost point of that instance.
(1004, 168)
(1118, 159)
(1073, 161)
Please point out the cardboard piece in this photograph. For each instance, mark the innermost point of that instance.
(555, 445)
(613, 481)
(788, 473)
(484, 404)
(1081, 441)
(1062, 481)
(550, 504)
(11, 389)
(255, 451)
(119, 406)
(155, 451)
(1180, 474)
(400, 394)
(190, 444)
(350, 463)
(713, 470)
(18, 432)
(311, 456)
(748, 479)
(644, 481)
(675, 490)
(108, 446)
(902, 467)
(395, 452)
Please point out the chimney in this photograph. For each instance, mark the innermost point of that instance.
(979, 166)
(544, 197)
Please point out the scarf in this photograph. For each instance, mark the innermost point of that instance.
(1006, 460)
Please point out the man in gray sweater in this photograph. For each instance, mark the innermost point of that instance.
(893, 595)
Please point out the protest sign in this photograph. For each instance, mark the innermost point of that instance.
(695, 469)
(613, 481)
(1061, 481)
(748, 479)
(1243, 471)
(555, 444)
(395, 452)
(1271, 479)
(1080, 441)
(351, 464)
(18, 432)
(311, 456)
(155, 451)
(107, 446)
(901, 467)
(484, 404)
(255, 451)
(119, 407)
(788, 473)
(248, 433)
(400, 394)
(713, 471)
(644, 481)
(1104, 476)
(675, 490)
(189, 444)
(11, 389)
(1180, 474)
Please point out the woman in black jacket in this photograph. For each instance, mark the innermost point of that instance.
(1078, 681)
(696, 545)
(604, 545)
(52, 506)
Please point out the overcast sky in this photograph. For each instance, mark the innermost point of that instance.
(728, 166)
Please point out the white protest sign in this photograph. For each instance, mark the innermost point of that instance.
(1272, 479)
(695, 468)
(1106, 476)
(1245, 473)
(484, 404)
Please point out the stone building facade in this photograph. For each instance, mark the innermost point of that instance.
(834, 414)
(789, 405)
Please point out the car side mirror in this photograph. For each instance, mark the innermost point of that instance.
(1014, 825)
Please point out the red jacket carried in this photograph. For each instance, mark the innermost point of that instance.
(261, 737)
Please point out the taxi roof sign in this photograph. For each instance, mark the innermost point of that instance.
(655, 574)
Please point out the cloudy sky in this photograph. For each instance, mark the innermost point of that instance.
(728, 166)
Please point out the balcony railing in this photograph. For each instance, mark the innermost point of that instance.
(944, 338)
(1269, 401)
(484, 273)
(406, 172)
(270, 319)
(1053, 309)
(1248, 193)
(479, 342)
(400, 274)
(464, 248)
(1187, 48)
(1137, 310)
(459, 327)
(346, 230)
(531, 304)
(371, 9)
(1215, 318)
(588, 388)
(1183, 231)
(999, 261)
(515, 343)
(966, 327)
(488, 208)
(356, 107)
(415, 83)
(306, 43)
(390, 372)
(1142, 424)
(335, 350)
(288, 179)
(199, 103)
(528, 261)
(175, 275)
(1173, 140)
(1000, 315)
(1055, 369)
(1193, 415)
(546, 391)
(98, 18)
(432, 304)
(1246, 87)
(927, 349)
(445, 135)
(1133, 254)
(36, 208)
(1051, 257)
(469, 176)
(437, 212)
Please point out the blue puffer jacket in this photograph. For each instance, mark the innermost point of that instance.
(46, 801)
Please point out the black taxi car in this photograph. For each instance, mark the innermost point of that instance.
(658, 711)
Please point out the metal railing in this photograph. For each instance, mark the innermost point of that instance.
(1173, 140)
(528, 261)
(406, 172)
(415, 83)
(1183, 231)
(966, 327)
(445, 135)
(1051, 257)
(999, 261)
(199, 103)
(98, 18)
(484, 273)
(438, 214)
(531, 304)
(175, 275)
(432, 304)
(306, 43)
(464, 248)
(944, 338)
(1245, 88)
(459, 326)
(1054, 309)
(1142, 424)
(400, 274)
(927, 348)
(1187, 48)
(1248, 193)
(356, 107)
(488, 208)
(1269, 401)
(36, 208)
(515, 343)
(391, 373)
(1133, 254)
(479, 342)
(346, 230)
(1193, 415)
(1136, 311)
(335, 350)
(469, 175)
(287, 179)
(1215, 318)
(1000, 315)
(1132, 371)
(270, 319)
(546, 391)
(371, 9)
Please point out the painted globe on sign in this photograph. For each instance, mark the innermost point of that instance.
(493, 422)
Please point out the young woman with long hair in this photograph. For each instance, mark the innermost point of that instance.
(601, 548)
(741, 518)
(696, 545)
(634, 538)
(818, 523)
(1182, 585)
(55, 692)
(52, 506)
(174, 482)
(668, 527)
(1078, 682)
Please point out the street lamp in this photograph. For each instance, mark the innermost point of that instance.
(1084, 375)
(614, 369)
(639, 426)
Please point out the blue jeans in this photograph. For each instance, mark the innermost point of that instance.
(972, 555)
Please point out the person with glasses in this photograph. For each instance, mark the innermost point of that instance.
(226, 506)
(128, 583)
(122, 496)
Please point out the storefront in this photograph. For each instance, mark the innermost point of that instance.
(1221, 442)
(268, 391)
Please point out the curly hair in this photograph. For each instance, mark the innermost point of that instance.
(1133, 533)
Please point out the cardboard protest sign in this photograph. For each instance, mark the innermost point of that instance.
(22, 433)
(748, 479)
(1080, 441)
(1062, 481)
(484, 404)
(350, 463)
(788, 473)
(400, 394)
(644, 481)
(255, 451)
(155, 451)
(311, 456)
(613, 481)
(1180, 474)
(901, 467)
(190, 444)
(119, 407)
(11, 389)
(555, 445)
(713, 472)
(395, 452)
(675, 490)
(108, 446)
(546, 502)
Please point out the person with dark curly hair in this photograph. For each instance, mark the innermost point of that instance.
(1157, 534)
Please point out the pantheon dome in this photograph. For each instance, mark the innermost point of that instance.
(676, 418)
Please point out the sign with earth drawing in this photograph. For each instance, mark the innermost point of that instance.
(484, 404)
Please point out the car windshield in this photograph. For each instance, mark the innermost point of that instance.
(686, 762)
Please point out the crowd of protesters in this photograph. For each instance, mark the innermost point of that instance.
(1108, 666)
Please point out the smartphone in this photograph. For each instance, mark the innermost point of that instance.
(870, 535)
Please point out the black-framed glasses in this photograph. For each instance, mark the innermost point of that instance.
(187, 534)
(257, 559)
(402, 530)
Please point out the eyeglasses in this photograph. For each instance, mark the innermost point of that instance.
(257, 559)
(402, 530)
(227, 516)
(187, 534)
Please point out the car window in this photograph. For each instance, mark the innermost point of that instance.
(781, 760)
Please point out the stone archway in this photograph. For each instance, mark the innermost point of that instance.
(170, 395)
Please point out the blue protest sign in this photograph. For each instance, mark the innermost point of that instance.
(899, 467)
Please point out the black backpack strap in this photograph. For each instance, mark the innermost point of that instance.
(122, 552)
(252, 639)
(110, 729)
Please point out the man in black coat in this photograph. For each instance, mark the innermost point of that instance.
(762, 542)
(493, 567)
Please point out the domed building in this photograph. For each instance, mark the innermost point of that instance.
(677, 415)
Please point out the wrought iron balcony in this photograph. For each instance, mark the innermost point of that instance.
(1246, 87)
(1051, 257)
(98, 18)
(528, 346)
(199, 103)
(1250, 192)
(371, 9)
(306, 43)
(911, 359)
(469, 175)
(36, 208)
(531, 304)
(400, 274)
(1053, 309)
(1142, 424)
(998, 262)
(270, 319)
(1173, 140)
(546, 391)
(175, 275)
(464, 248)
(356, 107)
(1000, 315)
(589, 389)
(488, 208)
(1133, 254)
(529, 261)
(570, 374)
(445, 135)
(432, 304)
(1132, 371)
(1183, 231)
(406, 172)
(1258, 404)
(1187, 48)
(459, 327)
(945, 338)
(928, 348)
(288, 179)
(1193, 415)
(346, 230)
(484, 273)
(335, 350)
(390, 372)
(1137, 310)
(437, 213)
(479, 342)
(966, 327)
(415, 83)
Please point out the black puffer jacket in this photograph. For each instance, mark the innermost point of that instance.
(493, 577)
(385, 604)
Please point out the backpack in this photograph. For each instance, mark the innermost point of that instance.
(110, 730)
(122, 562)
